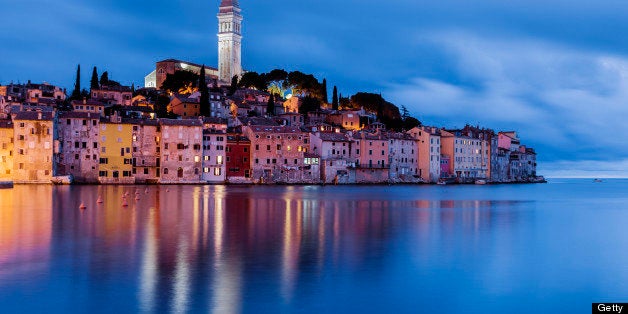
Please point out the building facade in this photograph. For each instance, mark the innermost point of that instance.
(33, 160)
(229, 41)
(181, 151)
(6, 150)
(79, 150)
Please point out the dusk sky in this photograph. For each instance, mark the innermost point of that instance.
(555, 71)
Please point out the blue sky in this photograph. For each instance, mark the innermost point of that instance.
(556, 71)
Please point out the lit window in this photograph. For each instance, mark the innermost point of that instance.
(219, 160)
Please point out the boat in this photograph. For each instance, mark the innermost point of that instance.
(6, 184)
(441, 182)
(597, 181)
(480, 182)
(62, 180)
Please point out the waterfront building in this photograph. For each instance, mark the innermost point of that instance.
(336, 162)
(372, 153)
(146, 143)
(181, 150)
(428, 152)
(79, 151)
(6, 150)
(214, 150)
(116, 157)
(468, 154)
(34, 134)
(403, 158)
(112, 95)
(278, 153)
(238, 159)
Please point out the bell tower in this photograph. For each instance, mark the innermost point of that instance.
(229, 41)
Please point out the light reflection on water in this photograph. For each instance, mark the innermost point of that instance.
(313, 249)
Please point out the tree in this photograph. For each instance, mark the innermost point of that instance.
(202, 88)
(104, 79)
(334, 101)
(308, 104)
(234, 85)
(325, 99)
(270, 107)
(410, 122)
(404, 112)
(76, 93)
(180, 81)
(249, 80)
(94, 82)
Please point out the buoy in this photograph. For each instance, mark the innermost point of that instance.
(82, 206)
(137, 198)
(146, 191)
(99, 201)
(124, 203)
(167, 190)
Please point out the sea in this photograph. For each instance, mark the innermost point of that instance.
(513, 248)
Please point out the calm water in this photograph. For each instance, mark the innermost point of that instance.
(553, 247)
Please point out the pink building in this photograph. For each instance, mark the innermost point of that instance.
(372, 153)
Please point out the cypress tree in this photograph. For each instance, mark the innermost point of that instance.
(104, 78)
(325, 98)
(76, 93)
(94, 81)
(202, 88)
(234, 85)
(334, 101)
(270, 107)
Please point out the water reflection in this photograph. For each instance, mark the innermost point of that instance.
(221, 249)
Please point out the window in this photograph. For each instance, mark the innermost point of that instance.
(145, 170)
(219, 160)
(197, 158)
(256, 147)
(165, 170)
(217, 171)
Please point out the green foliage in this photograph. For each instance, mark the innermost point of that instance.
(180, 80)
(253, 80)
(161, 107)
(410, 122)
(324, 97)
(204, 90)
(94, 82)
(308, 104)
(334, 101)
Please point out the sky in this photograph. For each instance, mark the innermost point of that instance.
(555, 71)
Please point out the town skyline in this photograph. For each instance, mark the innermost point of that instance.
(559, 89)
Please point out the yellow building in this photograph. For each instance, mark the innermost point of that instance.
(116, 159)
(33, 146)
(6, 150)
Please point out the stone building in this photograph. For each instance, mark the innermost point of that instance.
(468, 154)
(146, 142)
(372, 154)
(278, 154)
(181, 150)
(112, 95)
(403, 156)
(337, 165)
(79, 151)
(34, 135)
(184, 106)
(229, 41)
(6, 150)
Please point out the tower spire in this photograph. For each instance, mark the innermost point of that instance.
(229, 40)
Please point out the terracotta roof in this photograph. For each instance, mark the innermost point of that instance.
(186, 62)
(78, 115)
(213, 120)
(87, 102)
(275, 129)
(34, 115)
(151, 122)
(6, 124)
(333, 137)
(176, 122)
(257, 121)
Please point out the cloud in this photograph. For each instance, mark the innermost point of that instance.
(569, 103)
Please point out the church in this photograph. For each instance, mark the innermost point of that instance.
(229, 51)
